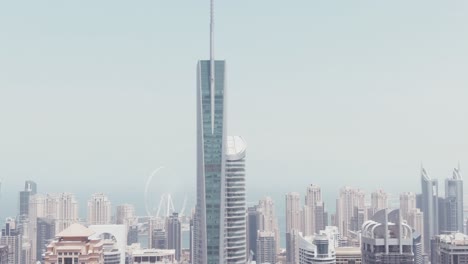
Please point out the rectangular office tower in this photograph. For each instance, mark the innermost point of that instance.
(209, 233)
(430, 208)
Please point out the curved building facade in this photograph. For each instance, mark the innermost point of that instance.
(236, 226)
(316, 249)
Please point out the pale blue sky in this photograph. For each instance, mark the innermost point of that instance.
(94, 95)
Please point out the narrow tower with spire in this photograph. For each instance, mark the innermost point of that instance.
(209, 237)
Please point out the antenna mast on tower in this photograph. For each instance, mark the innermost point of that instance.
(212, 65)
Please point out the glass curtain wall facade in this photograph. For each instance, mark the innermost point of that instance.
(211, 130)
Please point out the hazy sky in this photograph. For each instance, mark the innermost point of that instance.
(95, 95)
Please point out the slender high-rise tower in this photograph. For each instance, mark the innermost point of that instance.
(454, 202)
(99, 210)
(430, 208)
(236, 218)
(209, 222)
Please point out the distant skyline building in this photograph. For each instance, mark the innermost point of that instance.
(430, 208)
(379, 200)
(254, 224)
(454, 202)
(416, 221)
(99, 210)
(236, 218)
(174, 234)
(157, 233)
(12, 238)
(125, 215)
(3, 254)
(407, 204)
(269, 220)
(293, 211)
(45, 228)
(58, 210)
(30, 188)
(266, 247)
(209, 224)
(293, 224)
(349, 199)
(313, 199)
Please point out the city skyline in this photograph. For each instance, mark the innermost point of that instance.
(413, 83)
(342, 101)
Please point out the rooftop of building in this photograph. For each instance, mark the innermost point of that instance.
(76, 230)
(348, 250)
(454, 239)
(235, 148)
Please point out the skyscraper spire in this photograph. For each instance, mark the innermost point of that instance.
(212, 65)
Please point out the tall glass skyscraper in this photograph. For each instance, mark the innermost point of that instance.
(209, 230)
(454, 202)
(430, 208)
(209, 236)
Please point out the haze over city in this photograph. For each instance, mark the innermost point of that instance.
(94, 96)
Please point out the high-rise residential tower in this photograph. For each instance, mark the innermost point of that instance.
(99, 210)
(313, 218)
(379, 200)
(125, 215)
(454, 202)
(430, 208)
(11, 238)
(293, 211)
(236, 218)
(293, 223)
(269, 220)
(407, 204)
(351, 200)
(266, 247)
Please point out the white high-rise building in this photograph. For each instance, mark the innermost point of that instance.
(236, 218)
(99, 210)
(293, 224)
(62, 207)
(293, 211)
(350, 200)
(269, 222)
(125, 215)
(407, 204)
(313, 199)
(415, 219)
(266, 247)
(379, 200)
